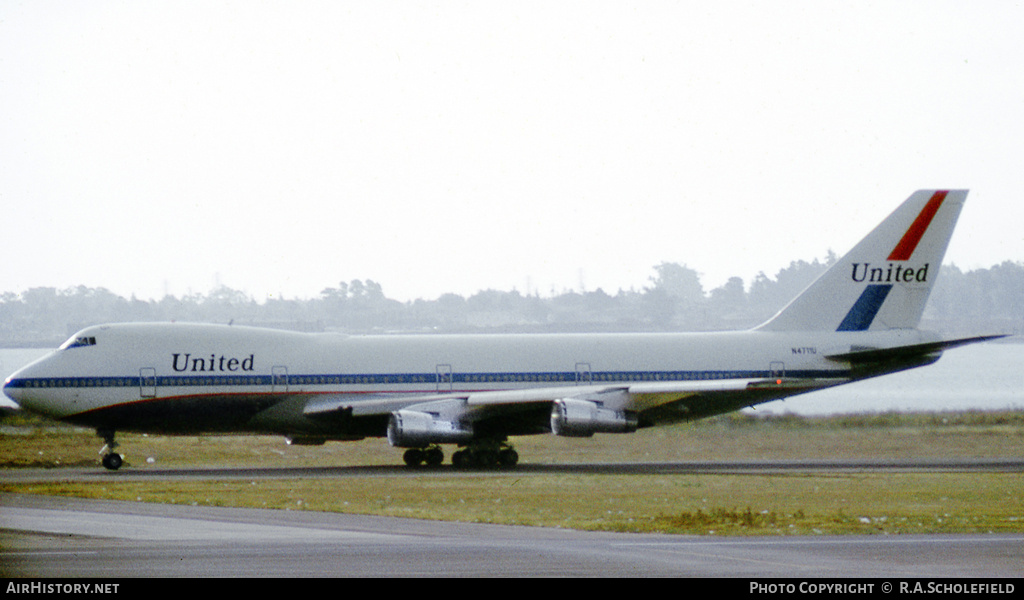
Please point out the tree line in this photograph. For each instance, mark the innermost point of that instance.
(963, 302)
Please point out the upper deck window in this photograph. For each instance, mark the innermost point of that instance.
(78, 342)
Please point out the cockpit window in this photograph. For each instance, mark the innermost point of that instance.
(78, 342)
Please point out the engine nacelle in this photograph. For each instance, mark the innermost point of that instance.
(415, 429)
(583, 418)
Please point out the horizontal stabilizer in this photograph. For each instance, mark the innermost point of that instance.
(874, 355)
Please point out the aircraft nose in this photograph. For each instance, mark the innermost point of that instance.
(11, 391)
(23, 388)
(19, 386)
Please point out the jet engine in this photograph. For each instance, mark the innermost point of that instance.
(416, 429)
(582, 418)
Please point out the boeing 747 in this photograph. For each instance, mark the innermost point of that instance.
(858, 320)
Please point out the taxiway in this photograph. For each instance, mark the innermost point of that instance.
(43, 536)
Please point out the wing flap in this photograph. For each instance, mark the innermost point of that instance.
(358, 405)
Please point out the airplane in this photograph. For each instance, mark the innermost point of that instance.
(858, 320)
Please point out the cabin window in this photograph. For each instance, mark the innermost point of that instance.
(78, 342)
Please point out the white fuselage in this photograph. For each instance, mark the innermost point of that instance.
(118, 369)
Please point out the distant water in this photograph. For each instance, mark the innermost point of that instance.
(979, 377)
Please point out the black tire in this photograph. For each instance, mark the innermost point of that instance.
(434, 457)
(508, 457)
(112, 461)
(413, 457)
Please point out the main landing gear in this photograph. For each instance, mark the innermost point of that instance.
(431, 456)
(477, 455)
(111, 460)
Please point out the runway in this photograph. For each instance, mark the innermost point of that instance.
(44, 536)
(763, 467)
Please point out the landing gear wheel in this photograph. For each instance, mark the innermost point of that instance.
(485, 459)
(112, 461)
(434, 456)
(486, 455)
(508, 457)
(413, 457)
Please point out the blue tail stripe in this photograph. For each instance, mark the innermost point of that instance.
(865, 308)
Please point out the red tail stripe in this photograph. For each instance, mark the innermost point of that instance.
(906, 247)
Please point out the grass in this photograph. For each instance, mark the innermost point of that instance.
(694, 504)
(769, 504)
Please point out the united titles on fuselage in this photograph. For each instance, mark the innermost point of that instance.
(185, 362)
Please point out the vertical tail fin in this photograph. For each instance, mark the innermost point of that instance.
(884, 282)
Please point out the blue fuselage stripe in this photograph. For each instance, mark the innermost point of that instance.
(430, 379)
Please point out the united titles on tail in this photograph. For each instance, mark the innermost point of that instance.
(884, 281)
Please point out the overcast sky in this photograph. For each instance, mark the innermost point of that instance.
(280, 148)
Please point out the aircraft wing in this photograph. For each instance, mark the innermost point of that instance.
(646, 402)
(635, 397)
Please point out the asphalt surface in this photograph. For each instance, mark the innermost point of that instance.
(42, 536)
